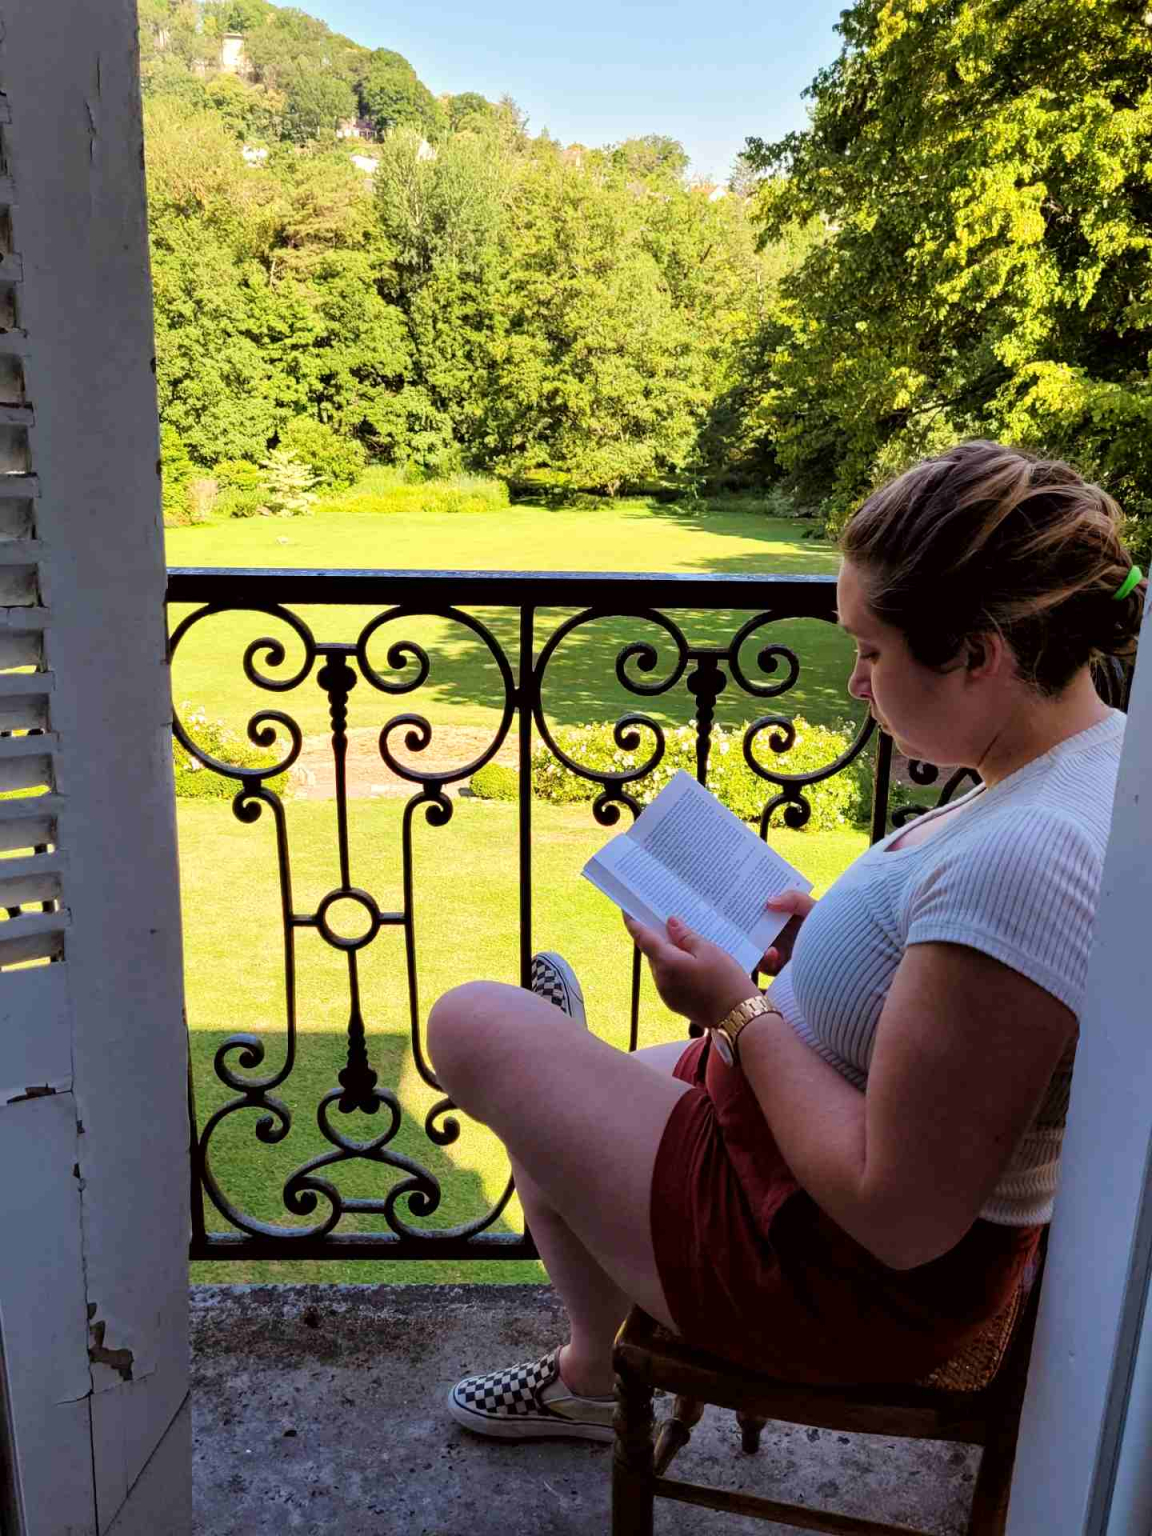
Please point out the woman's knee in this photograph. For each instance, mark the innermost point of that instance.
(463, 1032)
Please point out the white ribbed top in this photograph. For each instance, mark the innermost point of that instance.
(1015, 875)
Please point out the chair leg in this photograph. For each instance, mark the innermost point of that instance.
(676, 1431)
(750, 1430)
(633, 1496)
(993, 1486)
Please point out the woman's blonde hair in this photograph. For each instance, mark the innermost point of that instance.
(988, 538)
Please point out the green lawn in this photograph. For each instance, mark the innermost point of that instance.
(463, 687)
(467, 925)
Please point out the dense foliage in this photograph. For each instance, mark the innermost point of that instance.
(842, 800)
(195, 782)
(960, 243)
(984, 173)
(468, 296)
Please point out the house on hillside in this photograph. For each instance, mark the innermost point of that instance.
(233, 59)
(356, 128)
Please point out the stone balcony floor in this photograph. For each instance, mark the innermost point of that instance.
(321, 1409)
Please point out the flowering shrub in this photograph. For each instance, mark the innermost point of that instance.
(495, 782)
(842, 800)
(194, 781)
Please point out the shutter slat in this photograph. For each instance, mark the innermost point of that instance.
(19, 483)
(37, 877)
(32, 936)
(34, 805)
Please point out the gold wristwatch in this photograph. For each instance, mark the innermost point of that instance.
(726, 1034)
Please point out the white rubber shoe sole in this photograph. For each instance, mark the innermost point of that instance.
(530, 1402)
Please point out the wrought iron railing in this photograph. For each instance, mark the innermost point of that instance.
(686, 678)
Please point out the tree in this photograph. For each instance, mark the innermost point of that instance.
(288, 483)
(393, 96)
(982, 172)
(743, 179)
(289, 40)
(236, 15)
(469, 110)
(171, 36)
(251, 112)
(315, 104)
(652, 154)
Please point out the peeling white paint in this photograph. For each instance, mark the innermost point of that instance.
(92, 1047)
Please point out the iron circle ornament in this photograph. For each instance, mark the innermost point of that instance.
(361, 898)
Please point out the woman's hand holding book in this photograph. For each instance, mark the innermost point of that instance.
(799, 903)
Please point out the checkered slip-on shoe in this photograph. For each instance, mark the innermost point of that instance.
(530, 1402)
(554, 979)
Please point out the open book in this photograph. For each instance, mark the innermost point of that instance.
(688, 856)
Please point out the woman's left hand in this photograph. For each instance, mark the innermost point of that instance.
(693, 976)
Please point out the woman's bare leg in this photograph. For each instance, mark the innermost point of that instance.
(582, 1123)
(595, 1304)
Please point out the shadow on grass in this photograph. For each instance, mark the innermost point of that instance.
(252, 1175)
(464, 684)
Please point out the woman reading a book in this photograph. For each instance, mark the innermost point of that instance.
(845, 1177)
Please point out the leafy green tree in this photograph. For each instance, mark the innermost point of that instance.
(288, 484)
(176, 469)
(593, 370)
(743, 179)
(652, 154)
(251, 112)
(236, 15)
(469, 110)
(290, 39)
(336, 462)
(982, 172)
(393, 96)
(171, 38)
(491, 301)
(315, 104)
(441, 207)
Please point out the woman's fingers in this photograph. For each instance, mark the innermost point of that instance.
(646, 940)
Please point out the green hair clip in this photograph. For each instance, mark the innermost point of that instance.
(1133, 579)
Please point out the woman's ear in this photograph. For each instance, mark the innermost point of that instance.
(985, 654)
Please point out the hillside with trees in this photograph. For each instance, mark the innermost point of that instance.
(960, 243)
(442, 287)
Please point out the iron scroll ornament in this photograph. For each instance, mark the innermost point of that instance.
(712, 666)
(307, 1186)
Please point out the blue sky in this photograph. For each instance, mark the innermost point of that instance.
(707, 75)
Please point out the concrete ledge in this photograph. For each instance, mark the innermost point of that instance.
(319, 1408)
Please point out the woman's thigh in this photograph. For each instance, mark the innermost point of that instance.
(583, 1119)
(663, 1057)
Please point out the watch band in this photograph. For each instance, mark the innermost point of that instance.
(726, 1034)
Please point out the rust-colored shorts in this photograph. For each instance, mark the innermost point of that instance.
(754, 1271)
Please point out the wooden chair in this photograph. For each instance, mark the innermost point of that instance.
(975, 1399)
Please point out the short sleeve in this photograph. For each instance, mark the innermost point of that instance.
(1024, 891)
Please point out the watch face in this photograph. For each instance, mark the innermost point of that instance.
(723, 1047)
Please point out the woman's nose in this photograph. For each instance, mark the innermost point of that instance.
(859, 685)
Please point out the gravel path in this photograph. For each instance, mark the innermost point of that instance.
(451, 747)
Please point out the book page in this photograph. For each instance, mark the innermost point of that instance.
(688, 856)
(649, 887)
